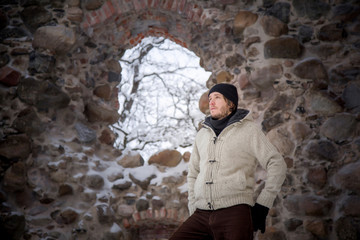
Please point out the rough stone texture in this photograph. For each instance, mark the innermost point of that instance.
(280, 139)
(75, 14)
(9, 76)
(264, 78)
(242, 20)
(15, 147)
(131, 161)
(351, 97)
(331, 32)
(283, 47)
(348, 177)
(273, 26)
(223, 77)
(317, 176)
(351, 206)
(169, 158)
(311, 8)
(301, 84)
(84, 133)
(339, 128)
(308, 205)
(55, 38)
(321, 104)
(204, 103)
(96, 112)
(311, 68)
(322, 149)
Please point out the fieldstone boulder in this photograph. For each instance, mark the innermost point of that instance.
(84, 133)
(131, 160)
(263, 78)
(283, 47)
(204, 103)
(273, 26)
(321, 150)
(93, 4)
(271, 122)
(234, 61)
(167, 158)
(41, 63)
(300, 131)
(313, 9)
(105, 213)
(308, 205)
(243, 20)
(331, 32)
(340, 127)
(142, 204)
(59, 39)
(15, 147)
(348, 177)
(342, 74)
(28, 122)
(125, 210)
(186, 156)
(107, 136)
(51, 96)
(351, 206)
(103, 91)
(280, 10)
(35, 16)
(292, 224)
(65, 189)
(15, 178)
(317, 227)
(320, 103)
(305, 33)
(224, 77)
(122, 184)
(9, 76)
(68, 216)
(281, 139)
(99, 113)
(351, 97)
(94, 181)
(317, 176)
(346, 229)
(74, 14)
(311, 68)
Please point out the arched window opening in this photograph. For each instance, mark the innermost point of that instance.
(159, 95)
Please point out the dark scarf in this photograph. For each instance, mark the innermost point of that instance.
(219, 125)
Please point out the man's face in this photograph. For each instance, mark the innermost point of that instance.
(218, 106)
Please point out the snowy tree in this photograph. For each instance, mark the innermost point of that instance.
(161, 86)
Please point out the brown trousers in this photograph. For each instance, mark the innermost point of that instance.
(232, 223)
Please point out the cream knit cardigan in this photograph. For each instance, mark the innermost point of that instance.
(221, 170)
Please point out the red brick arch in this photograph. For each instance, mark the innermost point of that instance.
(116, 21)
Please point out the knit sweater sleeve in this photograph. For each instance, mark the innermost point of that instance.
(272, 161)
(193, 171)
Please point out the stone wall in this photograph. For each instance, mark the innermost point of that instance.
(295, 64)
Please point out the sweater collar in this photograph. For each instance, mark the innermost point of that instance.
(219, 125)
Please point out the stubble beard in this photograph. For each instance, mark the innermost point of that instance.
(224, 112)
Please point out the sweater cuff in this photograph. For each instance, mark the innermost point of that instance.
(266, 199)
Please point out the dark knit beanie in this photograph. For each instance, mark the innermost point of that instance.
(229, 91)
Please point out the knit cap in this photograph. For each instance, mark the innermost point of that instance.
(229, 91)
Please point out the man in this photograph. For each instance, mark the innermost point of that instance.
(221, 173)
